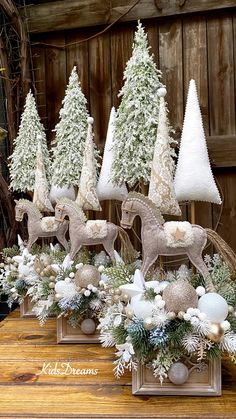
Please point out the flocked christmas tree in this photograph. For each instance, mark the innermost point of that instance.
(87, 194)
(161, 188)
(41, 187)
(105, 187)
(194, 180)
(137, 115)
(71, 132)
(23, 160)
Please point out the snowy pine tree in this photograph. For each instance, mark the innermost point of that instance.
(71, 133)
(137, 115)
(23, 159)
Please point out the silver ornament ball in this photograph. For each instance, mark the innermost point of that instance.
(179, 296)
(178, 373)
(88, 326)
(148, 323)
(87, 274)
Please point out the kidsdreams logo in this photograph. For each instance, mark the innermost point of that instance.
(65, 368)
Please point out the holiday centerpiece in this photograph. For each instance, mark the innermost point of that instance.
(170, 331)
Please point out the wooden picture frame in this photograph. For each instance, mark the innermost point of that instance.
(26, 308)
(68, 334)
(203, 383)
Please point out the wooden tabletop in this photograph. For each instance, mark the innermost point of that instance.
(29, 391)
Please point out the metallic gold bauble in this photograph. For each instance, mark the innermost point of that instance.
(51, 285)
(179, 296)
(87, 274)
(216, 333)
(125, 298)
(148, 323)
(178, 373)
(116, 298)
(129, 312)
(88, 326)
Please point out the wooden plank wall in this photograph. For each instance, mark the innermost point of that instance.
(200, 46)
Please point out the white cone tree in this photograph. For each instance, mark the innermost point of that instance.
(194, 180)
(41, 188)
(137, 115)
(87, 195)
(71, 133)
(105, 187)
(161, 188)
(23, 160)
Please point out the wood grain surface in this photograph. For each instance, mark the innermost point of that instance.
(29, 390)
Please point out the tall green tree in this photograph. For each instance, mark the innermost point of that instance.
(23, 159)
(137, 115)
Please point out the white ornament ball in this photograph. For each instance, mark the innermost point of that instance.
(71, 275)
(90, 120)
(101, 268)
(78, 266)
(88, 326)
(178, 373)
(162, 92)
(200, 291)
(58, 297)
(142, 309)
(226, 325)
(87, 293)
(214, 306)
(160, 303)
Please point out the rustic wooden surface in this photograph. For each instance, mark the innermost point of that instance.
(82, 13)
(200, 46)
(25, 346)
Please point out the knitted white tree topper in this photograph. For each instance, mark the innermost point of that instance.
(87, 195)
(106, 189)
(161, 188)
(193, 178)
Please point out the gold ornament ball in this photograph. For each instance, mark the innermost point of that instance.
(179, 296)
(148, 323)
(129, 312)
(88, 326)
(216, 332)
(125, 298)
(87, 274)
(51, 285)
(116, 298)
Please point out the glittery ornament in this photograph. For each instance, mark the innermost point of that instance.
(87, 274)
(88, 326)
(179, 296)
(178, 373)
(216, 332)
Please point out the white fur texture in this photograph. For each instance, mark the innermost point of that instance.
(194, 180)
(105, 188)
(170, 231)
(49, 224)
(96, 229)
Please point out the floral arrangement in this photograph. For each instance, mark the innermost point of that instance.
(167, 320)
(55, 284)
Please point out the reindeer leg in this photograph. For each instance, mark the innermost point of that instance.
(74, 250)
(32, 239)
(61, 238)
(109, 247)
(147, 262)
(199, 264)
